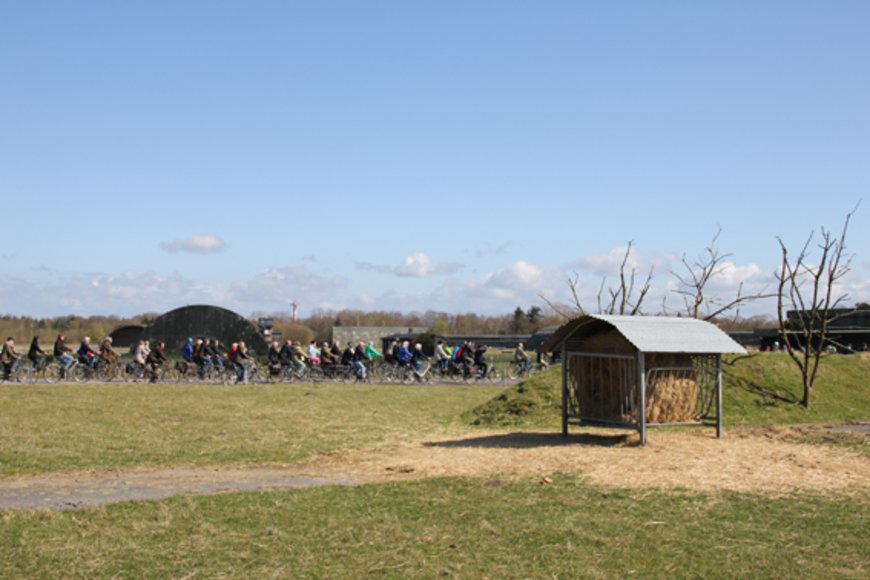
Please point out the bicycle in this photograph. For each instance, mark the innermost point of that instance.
(412, 375)
(30, 372)
(521, 370)
(17, 371)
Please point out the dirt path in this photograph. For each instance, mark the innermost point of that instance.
(748, 462)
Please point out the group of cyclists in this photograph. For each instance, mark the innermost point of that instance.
(203, 355)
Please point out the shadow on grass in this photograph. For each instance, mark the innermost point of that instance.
(532, 440)
(768, 397)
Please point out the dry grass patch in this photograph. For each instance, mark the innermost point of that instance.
(692, 460)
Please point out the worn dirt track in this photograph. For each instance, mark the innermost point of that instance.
(696, 461)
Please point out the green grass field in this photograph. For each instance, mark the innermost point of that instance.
(450, 527)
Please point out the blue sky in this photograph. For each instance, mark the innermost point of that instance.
(457, 156)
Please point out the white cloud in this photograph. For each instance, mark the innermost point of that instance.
(199, 244)
(416, 265)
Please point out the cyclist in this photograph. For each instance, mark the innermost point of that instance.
(155, 359)
(441, 356)
(403, 355)
(8, 357)
(274, 358)
(62, 352)
(466, 357)
(371, 351)
(87, 355)
(187, 350)
(418, 360)
(140, 356)
(36, 354)
(109, 355)
(480, 360)
(200, 357)
(358, 360)
(298, 357)
(347, 356)
(213, 349)
(313, 353)
(521, 358)
(326, 356)
(242, 362)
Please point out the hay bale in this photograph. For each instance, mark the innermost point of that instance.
(671, 398)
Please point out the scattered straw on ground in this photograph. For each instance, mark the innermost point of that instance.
(690, 460)
(755, 461)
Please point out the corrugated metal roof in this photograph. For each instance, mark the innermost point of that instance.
(654, 333)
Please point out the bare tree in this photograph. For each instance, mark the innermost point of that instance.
(809, 291)
(625, 297)
(698, 274)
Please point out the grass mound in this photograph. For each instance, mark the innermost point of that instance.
(766, 389)
(533, 401)
(761, 390)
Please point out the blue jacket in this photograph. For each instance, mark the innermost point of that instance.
(404, 354)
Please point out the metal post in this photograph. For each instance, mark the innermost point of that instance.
(641, 385)
(565, 393)
(719, 396)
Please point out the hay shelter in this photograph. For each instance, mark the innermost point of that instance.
(641, 371)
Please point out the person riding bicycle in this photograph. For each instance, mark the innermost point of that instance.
(403, 354)
(418, 359)
(213, 350)
(313, 353)
(480, 360)
(62, 352)
(36, 354)
(285, 355)
(8, 357)
(200, 358)
(86, 354)
(465, 357)
(109, 355)
(327, 359)
(298, 357)
(359, 360)
(154, 360)
(371, 351)
(274, 358)
(140, 356)
(187, 350)
(242, 362)
(521, 358)
(441, 356)
(347, 356)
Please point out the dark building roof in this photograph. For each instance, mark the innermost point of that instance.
(176, 326)
(124, 336)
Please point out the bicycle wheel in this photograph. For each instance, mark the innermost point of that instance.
(53, 372)
(26, 373)
(78, 373)
(494, 375)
